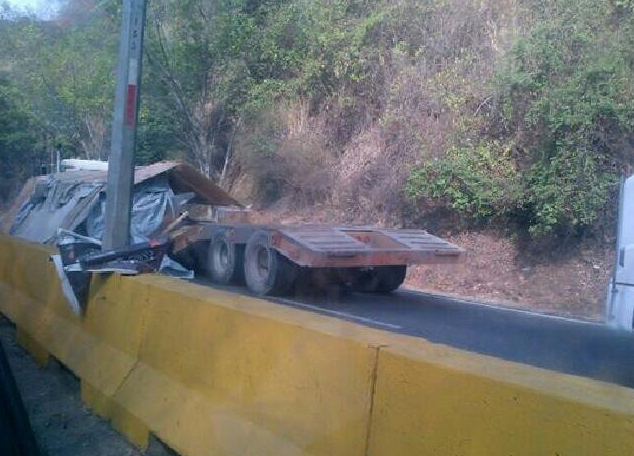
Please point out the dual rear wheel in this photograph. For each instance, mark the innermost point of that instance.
(267, 272)
(264, 269)
(225, 261)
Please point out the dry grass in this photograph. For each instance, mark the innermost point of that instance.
(283, 153)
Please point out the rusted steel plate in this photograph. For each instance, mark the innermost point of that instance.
(323, 240)
(420, 240)
(362, 247)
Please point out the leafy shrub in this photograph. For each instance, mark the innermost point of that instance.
(567, 193)
(569, 89)
(480, 181)
(20, 154)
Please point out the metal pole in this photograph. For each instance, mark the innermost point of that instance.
(124, 128)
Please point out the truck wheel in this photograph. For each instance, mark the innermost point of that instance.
(225, 260)
(381, 279)
(267, 272)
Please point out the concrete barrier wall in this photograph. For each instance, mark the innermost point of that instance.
(433, 400)
(206, 371)
(210, 372)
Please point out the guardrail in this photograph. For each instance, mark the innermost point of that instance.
(210, 372)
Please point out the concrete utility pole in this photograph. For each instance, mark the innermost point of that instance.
(124, 128)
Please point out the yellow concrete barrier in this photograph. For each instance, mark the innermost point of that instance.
(207, 371)
(433, 400)
(210, 372)
(223, 374)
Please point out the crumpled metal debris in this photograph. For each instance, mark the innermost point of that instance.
(80, 257)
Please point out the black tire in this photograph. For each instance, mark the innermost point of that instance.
(381, 279)
(225, 260)
(266, 271)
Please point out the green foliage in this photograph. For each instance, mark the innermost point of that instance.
(63, 75)
(480, 181)
(570, 87)
(18, 146)
(567, 193)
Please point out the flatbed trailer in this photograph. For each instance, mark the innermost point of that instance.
(271, 258)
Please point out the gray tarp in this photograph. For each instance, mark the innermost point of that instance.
(152, 200)
(55, 204)
(64, 200)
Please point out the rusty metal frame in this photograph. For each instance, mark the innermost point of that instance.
(335, 247)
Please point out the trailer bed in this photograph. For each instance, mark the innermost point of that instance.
(320, 246)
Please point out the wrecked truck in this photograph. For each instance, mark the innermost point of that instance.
(211, 232)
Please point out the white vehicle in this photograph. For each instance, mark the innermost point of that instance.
(620, 302)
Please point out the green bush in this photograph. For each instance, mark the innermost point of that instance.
(480, 181)
(20, 154)
(569, 85)
(567, 193)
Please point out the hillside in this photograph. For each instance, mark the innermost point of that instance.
(501, 124)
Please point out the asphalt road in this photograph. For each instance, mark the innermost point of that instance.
(564, 345)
